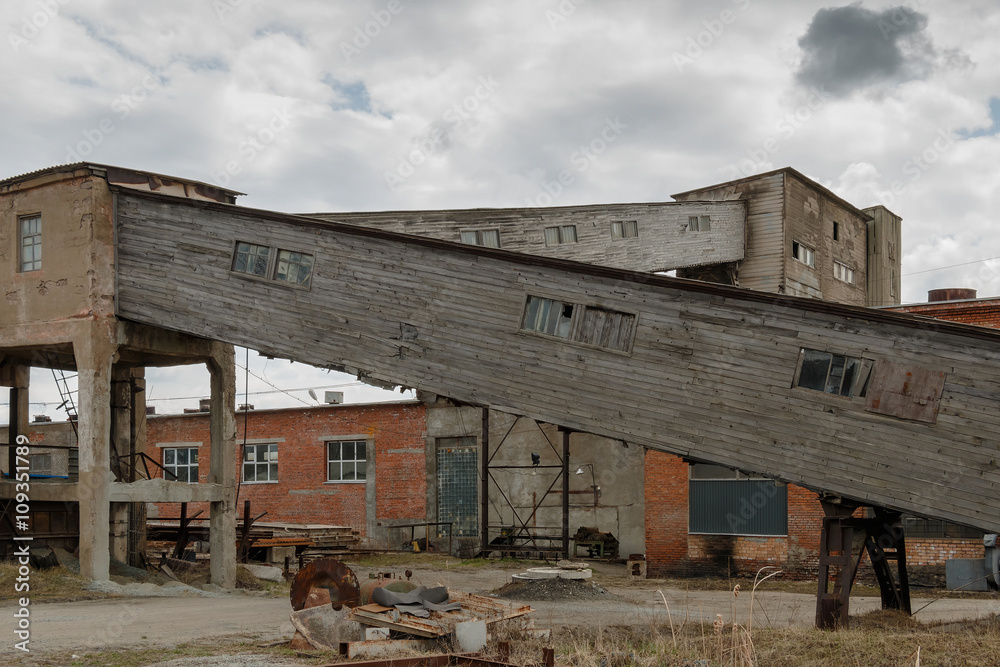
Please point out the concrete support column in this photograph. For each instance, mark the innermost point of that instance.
(222, 466)
(121, 436)
(94, 354)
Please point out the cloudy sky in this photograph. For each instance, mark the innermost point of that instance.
(395, 104)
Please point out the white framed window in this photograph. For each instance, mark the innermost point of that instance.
(624, 229)
(30, 234)
(182, 462)
(485, 237)
(803, 253)
(293, 267)
(251, 259)
(699, 223)
(560, 234)
(843, 273)
(260, 463)
(347, 461)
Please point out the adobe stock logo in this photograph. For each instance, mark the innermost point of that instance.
(33, 24)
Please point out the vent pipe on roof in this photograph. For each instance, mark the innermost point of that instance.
(951, 294)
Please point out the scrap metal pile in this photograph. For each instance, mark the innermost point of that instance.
(331, 611)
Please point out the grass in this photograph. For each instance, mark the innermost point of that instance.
(55, 584)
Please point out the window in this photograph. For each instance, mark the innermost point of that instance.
(182, 462)
(722, 501)
(251, 259)
(458, 485)
(260, 463)
(914, 526)
(843, 273)
(625, 229)
(833, 373)
(293, 267)
(346, 461)
(30, 233)
(836, 231)
(285, 266)
(803, 253)
(487, 237)
(699, 223)
(561, 234)
(40, 464)
(602, 327)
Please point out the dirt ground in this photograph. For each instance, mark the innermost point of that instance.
(609, 599)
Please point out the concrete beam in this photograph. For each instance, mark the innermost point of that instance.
(44, 491)
(159, 490)
(222, 470)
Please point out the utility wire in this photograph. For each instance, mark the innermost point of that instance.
(941, 268)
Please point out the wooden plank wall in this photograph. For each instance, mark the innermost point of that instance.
(763, 269)
(709, 375)
(884, 239)
(664, 241)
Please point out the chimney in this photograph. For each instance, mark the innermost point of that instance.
(951, 294)
(150, 410)
(333, 397)
(205, 405)
(42, 419)
(245, 407)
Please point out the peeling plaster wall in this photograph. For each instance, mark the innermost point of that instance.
(76, 280)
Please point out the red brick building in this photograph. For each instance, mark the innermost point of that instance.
(317, 465)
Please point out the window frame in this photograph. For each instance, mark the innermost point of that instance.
(35, 469)
(266, 463)
(580, 325)
(561, 232)
(270, 274)
(806, 252)
(329, 461)
(480, 235)
(173, 467)
(860, 377)
(846, 270)
(624, 229)
(699, 223)
(36, 245)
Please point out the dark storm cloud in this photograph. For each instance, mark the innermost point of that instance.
(851, 48)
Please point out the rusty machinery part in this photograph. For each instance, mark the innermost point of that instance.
(326, 573)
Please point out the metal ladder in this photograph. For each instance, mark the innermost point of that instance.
(66, 394)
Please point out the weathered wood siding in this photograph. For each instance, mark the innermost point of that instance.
(884, 239)
(763, 268)
(809, 218)
(709, 375)
(664, 241)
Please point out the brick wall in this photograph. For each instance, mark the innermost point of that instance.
(671, 551)
(983, 312)
(302, 493)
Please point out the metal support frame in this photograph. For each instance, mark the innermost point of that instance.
(523, 539)
(844, 540)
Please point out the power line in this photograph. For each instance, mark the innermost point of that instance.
(941, 268)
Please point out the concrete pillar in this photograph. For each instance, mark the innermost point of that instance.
(16, 377)
(222, 466)
(94, 354)
(121, 436)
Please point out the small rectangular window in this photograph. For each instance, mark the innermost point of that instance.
(560, 234)
(487, 237)
(625, 229)
(40, 464)
(547, 316)
(260, 463)
(346, 461)
(602, 327)
(293, 267)
(832, 373)
(843, 273)
(30, 233)
(251, 259)
(182, 462)
(836, 231)
(699, 223)
(803, 253)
